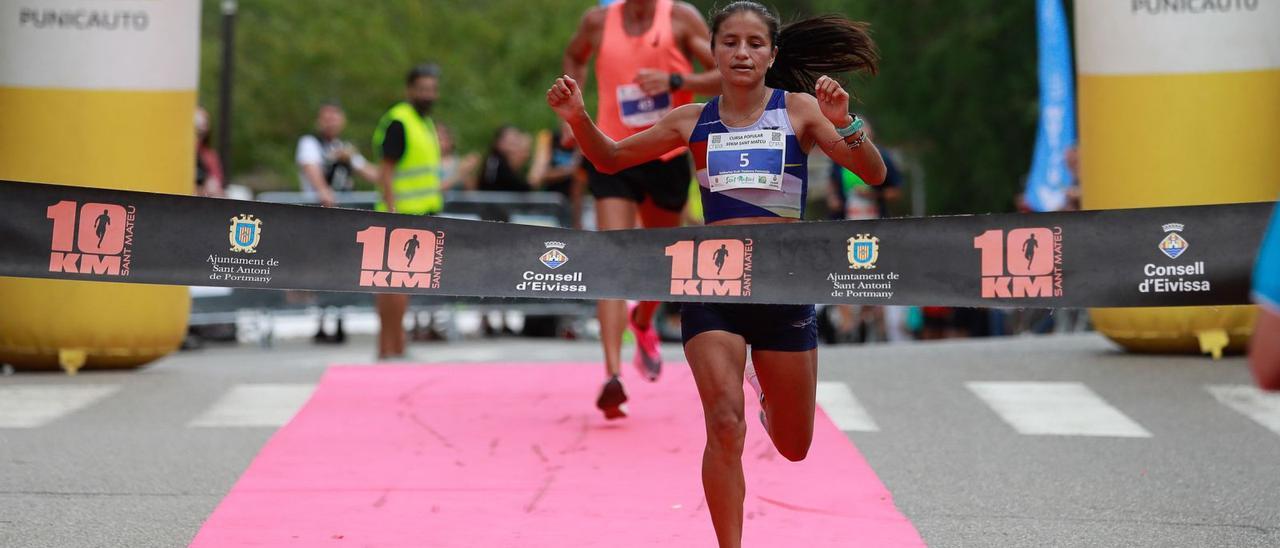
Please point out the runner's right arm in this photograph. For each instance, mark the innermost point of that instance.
(607, 155)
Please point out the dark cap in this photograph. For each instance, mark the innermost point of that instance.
(426, 69)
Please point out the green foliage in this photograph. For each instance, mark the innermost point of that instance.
(957, 90)
(957, 87)
(497, 56)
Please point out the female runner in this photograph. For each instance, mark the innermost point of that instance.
(774, 90)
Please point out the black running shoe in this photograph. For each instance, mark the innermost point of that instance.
(613, 399)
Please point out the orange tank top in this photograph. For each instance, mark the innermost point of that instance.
(623, 109)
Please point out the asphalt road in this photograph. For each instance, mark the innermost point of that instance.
(1109, 449)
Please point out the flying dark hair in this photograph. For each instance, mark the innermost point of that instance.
(809, 48)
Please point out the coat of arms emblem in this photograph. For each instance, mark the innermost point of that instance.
(864, 250)
(245, 233)
(554, 258)
(1174, 244)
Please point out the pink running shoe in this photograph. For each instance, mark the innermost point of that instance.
(648, 359)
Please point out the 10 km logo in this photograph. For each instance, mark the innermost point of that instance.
(711, 267)
(101, 243)
(407, 258)
(1026, 264)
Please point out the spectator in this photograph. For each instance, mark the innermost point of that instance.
(1071, 157)
(209, 181)
(851, 198)
(326, 163)
(508, 153)
(408, 182)
(454, 170)
(1060, 320)
(557, 167)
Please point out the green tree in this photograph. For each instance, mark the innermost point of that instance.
(498, 57)
(957, 87)
(957, 90)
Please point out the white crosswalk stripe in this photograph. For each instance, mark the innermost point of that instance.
(255, 405)
(1031, 408)
(1251, 402)
(1056, 409)
(839, 403)
(33, 406)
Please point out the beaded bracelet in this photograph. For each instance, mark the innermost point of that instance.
(862, 138)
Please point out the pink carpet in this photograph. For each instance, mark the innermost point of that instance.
(516, 455)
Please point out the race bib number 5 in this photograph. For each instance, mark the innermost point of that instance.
(747, 159)
(639, 110)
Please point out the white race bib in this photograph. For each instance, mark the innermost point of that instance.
(746, 159)
(639, 110)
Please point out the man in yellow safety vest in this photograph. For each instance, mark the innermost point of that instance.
(408, 181)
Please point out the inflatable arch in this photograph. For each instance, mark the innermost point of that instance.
(96, 93)
(1179, 104)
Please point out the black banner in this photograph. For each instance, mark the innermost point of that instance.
(1172, 256)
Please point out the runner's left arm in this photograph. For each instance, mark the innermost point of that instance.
(819, 115)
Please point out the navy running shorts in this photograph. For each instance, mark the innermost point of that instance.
(779, 327)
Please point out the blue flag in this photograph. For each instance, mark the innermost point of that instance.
(1049, 179)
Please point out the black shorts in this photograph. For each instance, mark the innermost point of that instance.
(780, 327)
(666, 183)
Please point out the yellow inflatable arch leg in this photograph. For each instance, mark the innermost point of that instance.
(1178, 107)
(103, 97)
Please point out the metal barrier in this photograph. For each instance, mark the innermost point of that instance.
(218, 317)
(219, 308)
(529, 208)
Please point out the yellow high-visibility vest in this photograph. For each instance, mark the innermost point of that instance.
(416, 184)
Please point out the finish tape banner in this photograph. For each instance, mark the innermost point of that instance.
(1172, 256)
